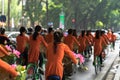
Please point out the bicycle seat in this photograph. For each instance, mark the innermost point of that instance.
(53, 77)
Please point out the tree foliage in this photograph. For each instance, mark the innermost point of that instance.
(33, 9)
(84, 12)
(15, 11)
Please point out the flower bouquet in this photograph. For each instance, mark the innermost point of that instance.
(7, 57)
(13, 55)
(80, 57)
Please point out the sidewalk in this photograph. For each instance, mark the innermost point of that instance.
(114, 72)
(106, 74)
(117, 75)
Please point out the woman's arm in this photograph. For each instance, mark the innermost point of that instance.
(8, 68)
(44, 42)
(70, 54)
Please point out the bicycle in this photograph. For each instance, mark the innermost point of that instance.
(97, 64)
(33, 72)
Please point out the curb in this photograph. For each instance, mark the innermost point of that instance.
(105, 70)
(117, 75)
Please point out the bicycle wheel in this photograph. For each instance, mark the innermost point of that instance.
(96, 68)
(38, 76)
(31, 70)
(97, 65)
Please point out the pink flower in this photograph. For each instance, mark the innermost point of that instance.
(8, 47)
(81, 58)
(17, 53)
(14, 66)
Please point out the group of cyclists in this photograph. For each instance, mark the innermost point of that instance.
(57, 46)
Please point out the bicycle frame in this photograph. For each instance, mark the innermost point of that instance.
(97, 65)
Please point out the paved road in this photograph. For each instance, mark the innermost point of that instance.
(85, 74)
(90, 74)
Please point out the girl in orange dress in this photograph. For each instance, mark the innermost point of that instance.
(70, 39)
(75, 46)
(89, 43)
(22, 41)
(98, 45)
(83, 40)
(34, 45)
(105, 37)
(90, 36)
(75, 33)
(106, 42)
(49, 36)
(55, 54)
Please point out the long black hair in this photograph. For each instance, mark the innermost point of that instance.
(22, 29)
(75, 33)
(50, 29)
(70, 31)
(88, 32)
(37, 29)
(97, 34)
(83, 33)
(57, 39)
